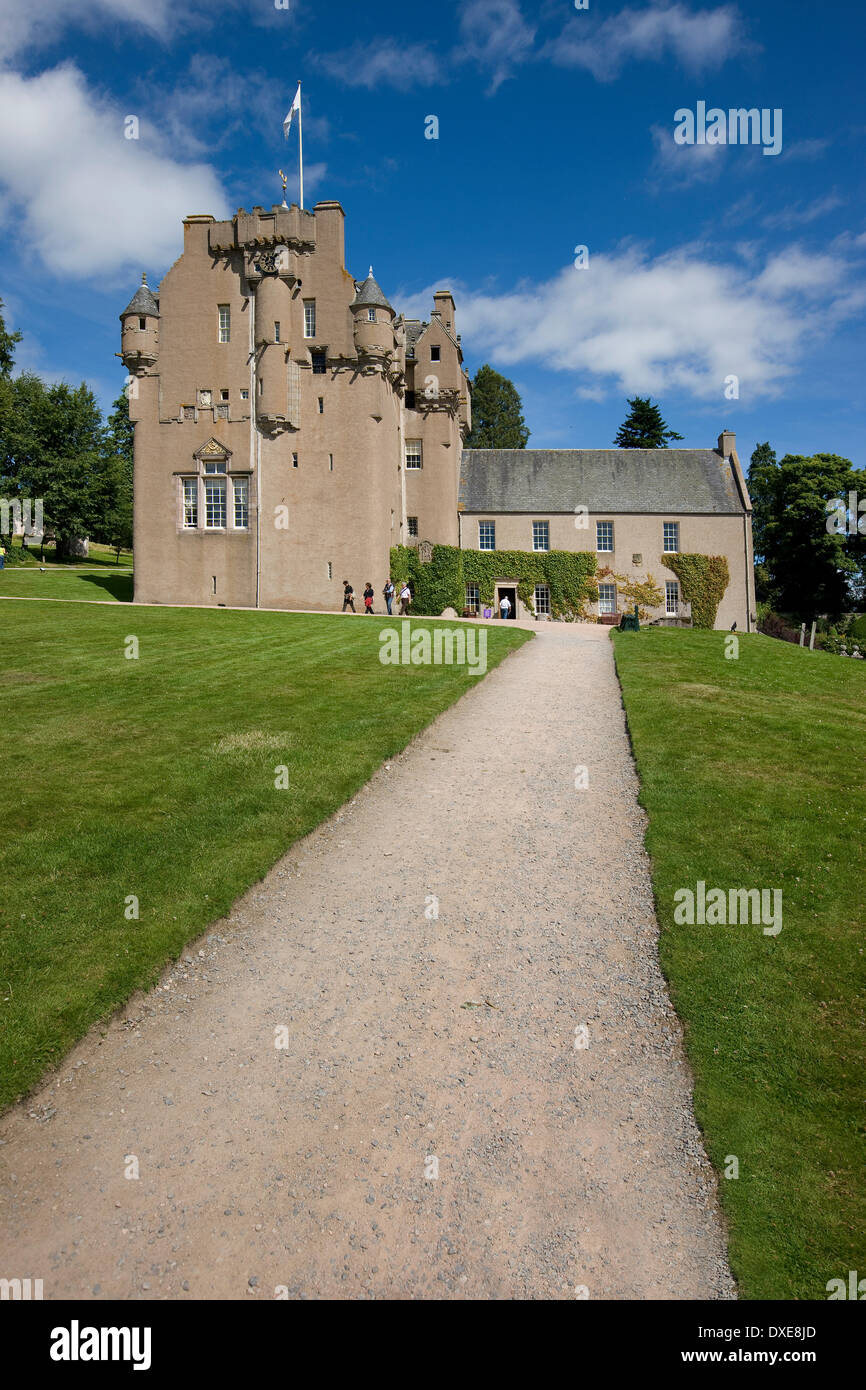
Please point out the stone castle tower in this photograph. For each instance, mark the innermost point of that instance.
(289, 426)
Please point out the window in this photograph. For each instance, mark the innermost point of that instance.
(671, 534)
(190, 503)
(542, 598)
(330, 570)
(321, 405)
(371, 315)
(214, 466)
(607, 598)
(487, 535)
(541, 535)
(410, 400)
(294, 460)
(215, 503)
(604, 536)
(330, 463)
(472, 596)
(276, 330)
(435, 352)
(413, 453)
(224, 394)
(309, 318)
(320, 365)
(142, 323)
(241, 489)
(412, 523)
(245, 395)
(672, 597)
(225, 322)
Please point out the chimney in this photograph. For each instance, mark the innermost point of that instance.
(727, 443)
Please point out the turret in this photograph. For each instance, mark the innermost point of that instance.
(373, 321)
(274, 311)
(139, 339)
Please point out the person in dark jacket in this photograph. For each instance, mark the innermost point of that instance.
(368, 598)
(348, 596)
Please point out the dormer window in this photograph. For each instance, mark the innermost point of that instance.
(371, 315)
(435, 352)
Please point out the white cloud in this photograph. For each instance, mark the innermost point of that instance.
(800, 213)
(25, 25)
(684, 163)
(494, 35)
(384, 63)
(681, 321)
(699, 40)
(91, 201)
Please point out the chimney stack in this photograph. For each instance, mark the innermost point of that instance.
(727, 443)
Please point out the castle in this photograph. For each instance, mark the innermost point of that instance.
(291, 427)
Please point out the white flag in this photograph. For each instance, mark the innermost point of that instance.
(295, 106)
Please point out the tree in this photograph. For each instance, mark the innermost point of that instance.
(497, 419)
(644, 427)
(7, 345)
(805, 569)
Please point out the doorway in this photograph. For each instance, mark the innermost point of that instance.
(503, 590)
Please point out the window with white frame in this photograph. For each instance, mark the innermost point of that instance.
(472, 596)
(541, 535)
(412, 524)
(309, 318)
(542, 598)
(215, 504)
(225, 323)
(671, 537)
(672, 597)
(604, 535)
(241, 493)
(413, 453)
(607, 598)
(487, 535)
(371, 315)
(276, 330)
(190, 503)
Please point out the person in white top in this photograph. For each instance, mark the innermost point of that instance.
(405, 599)
(504, 606)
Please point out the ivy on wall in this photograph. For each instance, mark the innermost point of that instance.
(646, 593)
(703, 580)
(442, 583)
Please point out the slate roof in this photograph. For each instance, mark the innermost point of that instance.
(370, 293)
(697, 481)
(414, 329)
(142, 302)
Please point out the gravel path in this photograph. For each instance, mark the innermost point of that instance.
(414, 1044)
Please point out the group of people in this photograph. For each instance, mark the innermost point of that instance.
(388, 593)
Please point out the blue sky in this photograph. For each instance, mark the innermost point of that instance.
(556, 130)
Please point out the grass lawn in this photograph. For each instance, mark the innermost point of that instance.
(98, 556)
(752, 774)
(155, 777)
(58, 582)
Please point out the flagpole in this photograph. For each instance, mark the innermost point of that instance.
(300, 146)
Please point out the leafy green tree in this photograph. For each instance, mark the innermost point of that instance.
(497, 418)
(7, 346)
(643, 427)
(805, 569)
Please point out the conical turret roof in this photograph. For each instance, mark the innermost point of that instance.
(142, 302)
(370, 294)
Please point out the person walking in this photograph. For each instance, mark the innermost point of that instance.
(388, 593)
(405, 600)
(368, 599)
(504, 606)
(348, 596)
